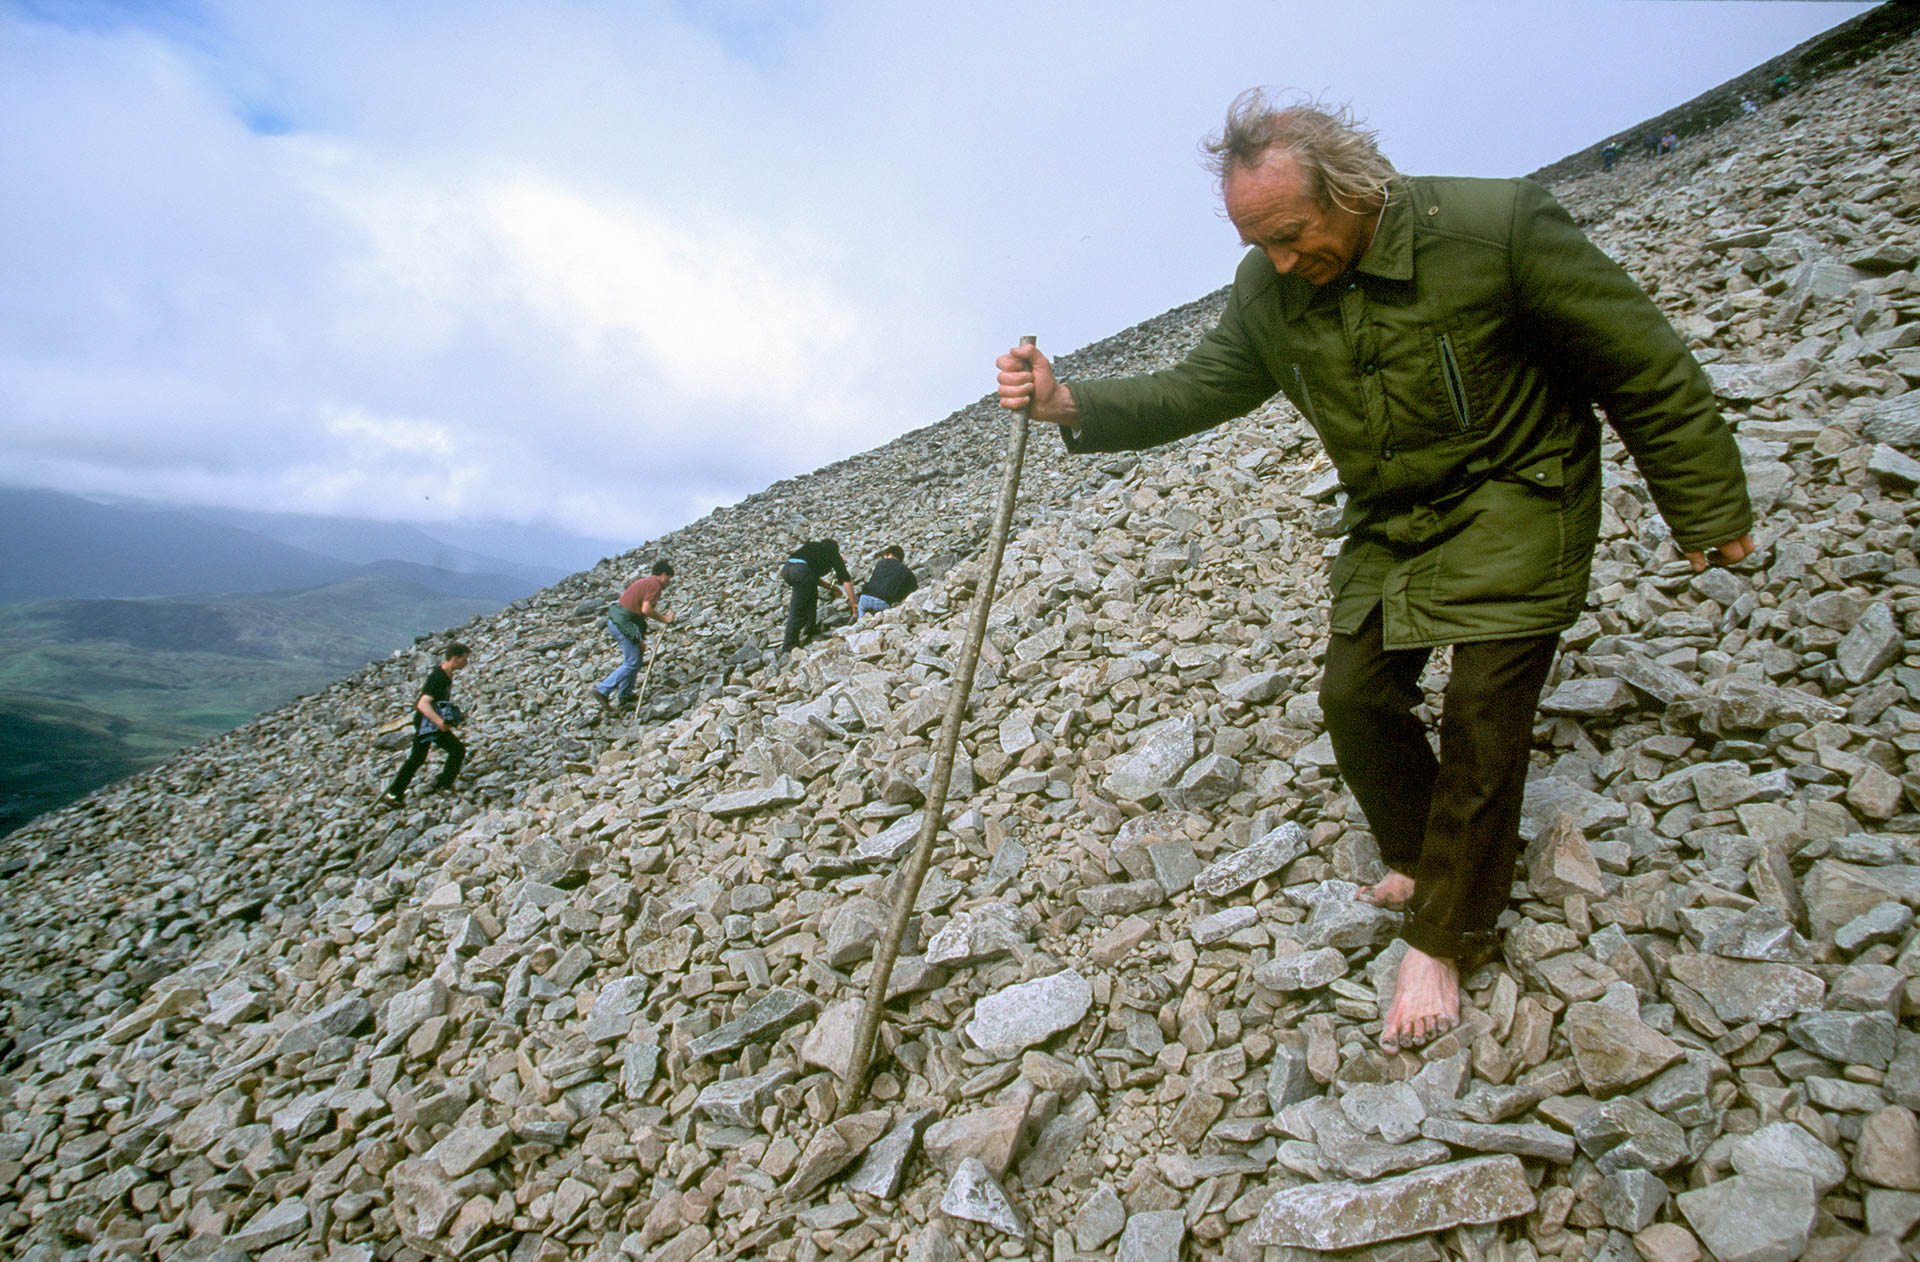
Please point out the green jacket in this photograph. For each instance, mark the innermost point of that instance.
(1450, 375)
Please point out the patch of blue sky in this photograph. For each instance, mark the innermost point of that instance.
(759, 32)
(176, 19)
(186, 25)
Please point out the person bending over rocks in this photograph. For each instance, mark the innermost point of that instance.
(627, 621)
(891, 583)
(433, 725)
(1446, 339)
(808, 566)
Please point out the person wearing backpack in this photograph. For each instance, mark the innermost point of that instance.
(627, 620)
(433, 725)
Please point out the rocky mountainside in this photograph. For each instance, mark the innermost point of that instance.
(595, 1003)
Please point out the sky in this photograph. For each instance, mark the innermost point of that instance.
(604, 265)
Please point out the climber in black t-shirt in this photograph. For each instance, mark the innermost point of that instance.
(433, 725)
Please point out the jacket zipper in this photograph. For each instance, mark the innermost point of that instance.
(1456, 384)
(1306, 397)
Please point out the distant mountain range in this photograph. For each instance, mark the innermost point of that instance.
(66, 546)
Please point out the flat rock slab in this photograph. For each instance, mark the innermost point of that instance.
(883, 1170)
(738, 1101)
(782, 792)
(1559, 863)
(1348, 1215)
(1029, 1013)
(1522, 1139)
(898, 838)
(1790, 1147)
(1307, 970)
(470, 1147)
(1242, 868)
(282, 1221)
(343, 1016)
(1762, 1217)
(1102, 1217)
(1743, 990)
(758, 1024)
(833, 1149)
(1153, 1236)
(1549, 797)
(829, 1044)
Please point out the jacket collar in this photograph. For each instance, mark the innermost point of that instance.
(1390, 257)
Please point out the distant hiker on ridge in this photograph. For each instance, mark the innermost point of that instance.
(433, 725)
(810, 563)
(892, 581)
(627, 620)
(1447, 340)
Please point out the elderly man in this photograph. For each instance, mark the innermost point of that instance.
(1446, 339)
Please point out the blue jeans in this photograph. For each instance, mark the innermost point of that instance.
(873, 604)
(621, 681)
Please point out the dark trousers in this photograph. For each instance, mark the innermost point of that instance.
(456, 754)
(805, 603)
(1452, 823)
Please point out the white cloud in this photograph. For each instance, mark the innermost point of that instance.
(610, 264)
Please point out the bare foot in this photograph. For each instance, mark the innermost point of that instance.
(1426, 1002)
(1392, 892)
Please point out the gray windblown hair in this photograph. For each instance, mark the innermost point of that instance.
(1341, 158)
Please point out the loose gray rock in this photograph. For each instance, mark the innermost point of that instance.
(1158, 757)
(1030, 1013)
(1308, 970)
(1272, 852)
(1764, 1217)
(768, 1016)
(784, 791)
(1786, 1146)
(1348, 1215)
(974, 1194)
(1153, 1236)
(1101, 1218)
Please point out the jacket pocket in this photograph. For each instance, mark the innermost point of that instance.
(1306, 397)
(1456, 383)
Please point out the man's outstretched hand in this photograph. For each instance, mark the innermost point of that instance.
(1026, 381)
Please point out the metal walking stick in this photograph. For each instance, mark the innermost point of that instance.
(855, 1087)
